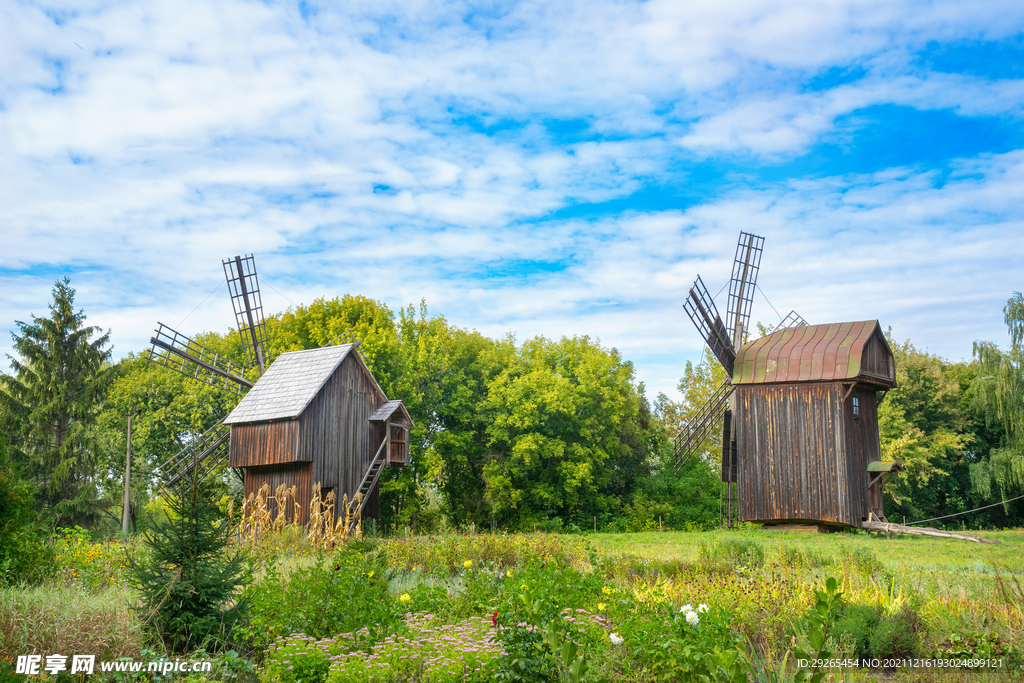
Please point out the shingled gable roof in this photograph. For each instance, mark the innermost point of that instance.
(290, 383)
(386, 410)
(813, 353)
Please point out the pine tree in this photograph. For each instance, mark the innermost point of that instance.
(188, 576)
(51, 404)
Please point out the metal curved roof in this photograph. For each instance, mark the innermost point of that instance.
(817, 353)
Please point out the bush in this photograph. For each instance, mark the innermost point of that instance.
(341, 592)
(897, 636)
(855, 627)
(24, 554)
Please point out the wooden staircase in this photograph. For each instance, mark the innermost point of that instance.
(358, 503)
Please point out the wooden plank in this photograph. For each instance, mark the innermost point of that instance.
(888, 528)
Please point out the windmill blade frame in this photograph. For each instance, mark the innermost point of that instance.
(247, 303)
(792, 319)
(702, 311)
(185, 355)
(205, 452)
(743, 284)
(700, 426)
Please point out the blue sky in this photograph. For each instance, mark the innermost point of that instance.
(533, 167)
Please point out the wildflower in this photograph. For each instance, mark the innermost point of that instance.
(467, 564)
(702, 608)
(600, 607)
(510, 575)
(687, 608)
(606, 590)
(404, 598)
(692, 619)
(616, 639)
(370, 575)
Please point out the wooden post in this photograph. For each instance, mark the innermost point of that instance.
(659, 524)
(127, 478)
(595, 524)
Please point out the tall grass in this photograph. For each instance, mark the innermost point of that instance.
(54, 619)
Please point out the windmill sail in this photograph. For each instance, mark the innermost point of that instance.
(174, 350)
(700, 426)
(702, 311)
(793, 319)
(745, 267)
(206, 452)
(244, 288)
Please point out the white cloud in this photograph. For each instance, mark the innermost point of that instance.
(181, 133)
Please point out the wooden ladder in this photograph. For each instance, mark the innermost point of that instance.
(369, 481)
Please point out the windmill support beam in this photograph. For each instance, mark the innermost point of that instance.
(203, 364)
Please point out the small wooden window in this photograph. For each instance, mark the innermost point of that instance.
(856, 407)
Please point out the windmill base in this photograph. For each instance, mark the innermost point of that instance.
(817, 528)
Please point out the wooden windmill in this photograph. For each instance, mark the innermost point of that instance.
(316, 416)
(799, 410)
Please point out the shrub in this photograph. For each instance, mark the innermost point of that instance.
(855, 627)
(896, 636)
(24, 555)
(341, 592)
(85, 564)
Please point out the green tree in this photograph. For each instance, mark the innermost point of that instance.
(999, 397)
(557, 418)
(24, 555)
(52, 401)
(188, 577)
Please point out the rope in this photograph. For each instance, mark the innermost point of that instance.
(200, 304)
(957, 514)
(769, 302)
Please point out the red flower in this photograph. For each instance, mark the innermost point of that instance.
(337, 567)
(494, 618)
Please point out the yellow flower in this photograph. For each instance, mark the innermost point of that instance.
(467, 564)
(606, 590)
(510, 575)
(404, 598)
(600, 607)
(370, 575)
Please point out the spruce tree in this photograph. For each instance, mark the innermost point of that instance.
(51, 403)
(188, 576)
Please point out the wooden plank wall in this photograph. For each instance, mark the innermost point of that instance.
(264, 443)
(793, 454)
(876, 359)
(299, 475)
(335, 432)
(864, 446)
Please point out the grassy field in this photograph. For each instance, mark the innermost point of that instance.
(765, 581)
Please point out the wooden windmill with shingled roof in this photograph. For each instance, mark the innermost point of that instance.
(799, 409)
(313, 417)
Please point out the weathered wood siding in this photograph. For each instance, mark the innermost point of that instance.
(335, 432)
(864, 446)
(299, 475)
(791, 450)
(876, 359)
(265, 443)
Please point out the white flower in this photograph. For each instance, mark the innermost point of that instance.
(702, 608)
(616, 639)
(692, 619)
(687, 608)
